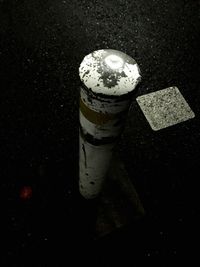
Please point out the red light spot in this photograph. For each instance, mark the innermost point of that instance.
(26, 192)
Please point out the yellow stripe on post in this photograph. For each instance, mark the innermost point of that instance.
(98, 118)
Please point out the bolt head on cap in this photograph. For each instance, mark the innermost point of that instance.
(109, 72)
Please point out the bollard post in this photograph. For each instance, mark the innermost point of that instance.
(109, 78)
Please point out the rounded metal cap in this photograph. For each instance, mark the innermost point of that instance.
(109, 72)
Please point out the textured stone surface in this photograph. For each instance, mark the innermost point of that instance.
(165, 108)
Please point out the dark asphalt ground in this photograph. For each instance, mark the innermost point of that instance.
(41, 46)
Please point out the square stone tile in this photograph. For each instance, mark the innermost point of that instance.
(165, 108)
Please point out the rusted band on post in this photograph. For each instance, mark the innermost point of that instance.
(99, 118)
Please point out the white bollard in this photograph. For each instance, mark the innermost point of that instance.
(108, 80)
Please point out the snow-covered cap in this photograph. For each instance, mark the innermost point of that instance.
(109, 72)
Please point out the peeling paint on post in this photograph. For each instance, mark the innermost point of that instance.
(109, 78)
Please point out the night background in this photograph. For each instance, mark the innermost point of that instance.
(44, 220)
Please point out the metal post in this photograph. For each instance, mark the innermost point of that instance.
(108, 80)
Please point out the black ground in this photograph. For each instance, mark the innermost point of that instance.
(41, 46)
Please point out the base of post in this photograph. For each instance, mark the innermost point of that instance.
(119, 203)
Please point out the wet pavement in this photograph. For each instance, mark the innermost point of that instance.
(42, 44)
